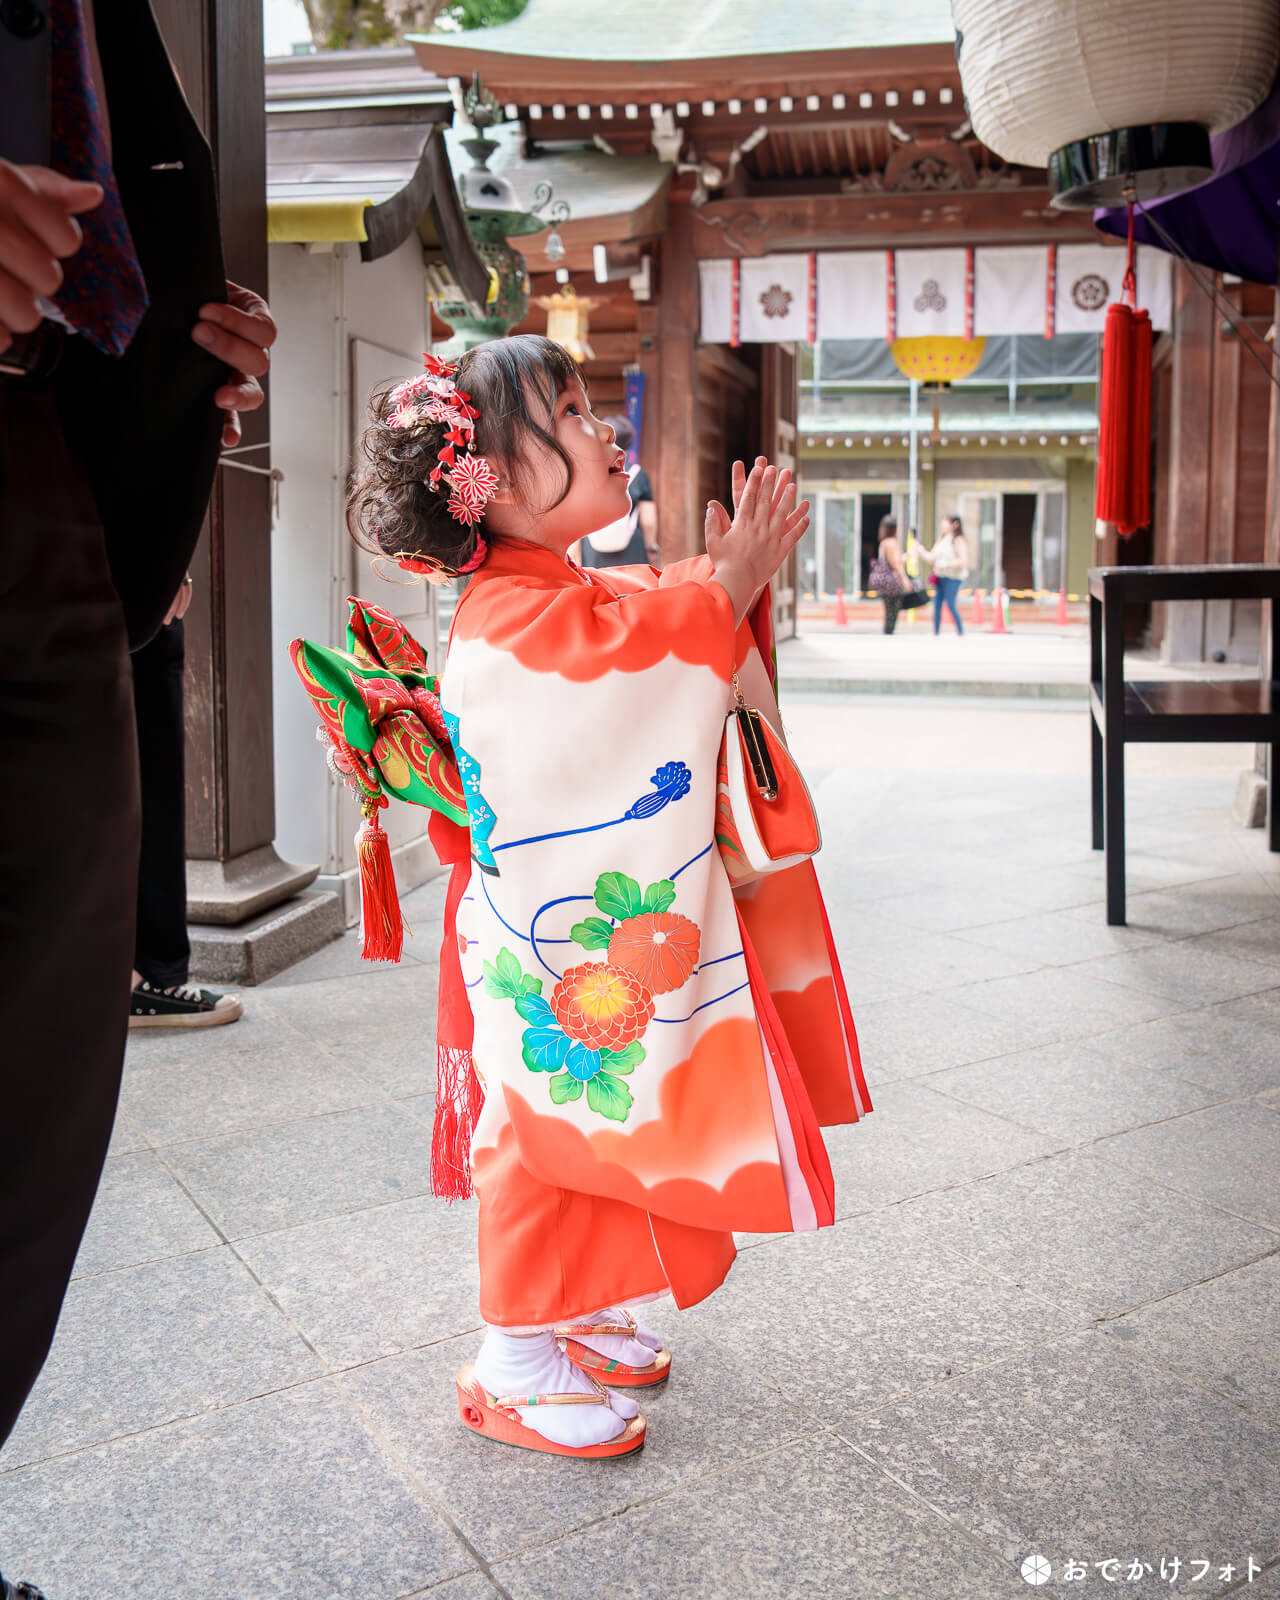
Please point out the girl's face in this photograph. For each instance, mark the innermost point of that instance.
(597, 496)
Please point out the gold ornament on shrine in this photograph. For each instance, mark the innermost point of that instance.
(568, 317)
(936, 358)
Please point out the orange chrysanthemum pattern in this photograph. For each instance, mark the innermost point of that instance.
(660, 948)
(603, 1006)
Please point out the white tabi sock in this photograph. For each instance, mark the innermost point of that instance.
(534, 1364)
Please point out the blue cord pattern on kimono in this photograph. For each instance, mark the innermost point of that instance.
(672, 783)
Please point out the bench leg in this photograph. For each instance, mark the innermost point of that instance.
(1096, 783)
(1113, 757)
(1095, 739)
(1273, 801)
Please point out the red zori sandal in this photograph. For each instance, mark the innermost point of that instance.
(496, 1417)
(606, 1370)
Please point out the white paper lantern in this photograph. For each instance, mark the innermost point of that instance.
(1103, 90)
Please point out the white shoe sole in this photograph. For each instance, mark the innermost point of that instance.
(197, 1019)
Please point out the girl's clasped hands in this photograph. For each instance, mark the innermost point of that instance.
(766, 526)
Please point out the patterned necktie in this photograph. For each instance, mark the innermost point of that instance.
(103, 294)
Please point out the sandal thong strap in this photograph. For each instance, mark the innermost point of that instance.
(508, 1402)
(576, 1330)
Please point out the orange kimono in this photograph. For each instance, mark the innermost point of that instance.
(657, 1050)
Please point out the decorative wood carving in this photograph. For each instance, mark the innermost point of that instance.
(935, 166)
(757, 225)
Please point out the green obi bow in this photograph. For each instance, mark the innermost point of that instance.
(379, 711)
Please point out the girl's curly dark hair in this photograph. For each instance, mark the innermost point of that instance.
(392, 510)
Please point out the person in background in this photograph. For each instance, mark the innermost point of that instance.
(888, 574)
(949, 559)
(125, 358)
(160, 995)
(631, 541)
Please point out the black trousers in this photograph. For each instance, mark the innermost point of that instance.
(162, 951)
(69, 826)
(892, 606)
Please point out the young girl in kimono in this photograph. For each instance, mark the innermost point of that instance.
(656, 1050)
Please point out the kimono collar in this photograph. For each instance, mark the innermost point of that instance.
(511, 557)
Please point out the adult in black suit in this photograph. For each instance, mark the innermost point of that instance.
(106, 464)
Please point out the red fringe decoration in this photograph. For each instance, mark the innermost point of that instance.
(459, 1099)
(459, 1094)
(380, 904)
(1124, 424)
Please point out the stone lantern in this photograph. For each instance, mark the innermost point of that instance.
(493, 215)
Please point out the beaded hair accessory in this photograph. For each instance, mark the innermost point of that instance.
(435, 397)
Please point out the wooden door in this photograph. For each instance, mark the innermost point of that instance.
(778, 444)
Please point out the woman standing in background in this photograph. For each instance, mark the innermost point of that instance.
(889, 572)
(949, 559)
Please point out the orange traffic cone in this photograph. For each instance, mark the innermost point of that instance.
(997, 613)
(1060, 616)
(976, 619)
(842, 612)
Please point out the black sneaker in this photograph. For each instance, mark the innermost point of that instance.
(182, 1005)
(19, 1591)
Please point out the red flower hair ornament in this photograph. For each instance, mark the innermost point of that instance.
(435, 397)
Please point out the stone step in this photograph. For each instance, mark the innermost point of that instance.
(268, 943)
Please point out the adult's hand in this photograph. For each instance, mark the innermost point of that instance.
(239, 333)
(38, 231)
(767, 525)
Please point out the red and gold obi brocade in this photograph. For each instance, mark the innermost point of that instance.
(657, 1050)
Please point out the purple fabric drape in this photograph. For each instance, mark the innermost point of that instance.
(1231, 222)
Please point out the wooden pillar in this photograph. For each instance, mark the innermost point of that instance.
(1191, 443)
(233, 870)
(1224, 474)
(674, 417)
(1270, 666)
(1272, 548)
(778, 393)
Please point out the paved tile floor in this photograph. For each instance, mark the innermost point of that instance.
(1044, 1324)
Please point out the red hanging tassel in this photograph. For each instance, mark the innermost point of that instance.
(380, 904)
(459, 1101)
(1124, 423)
(459, 1093)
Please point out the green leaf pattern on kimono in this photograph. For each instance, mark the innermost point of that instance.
(618, 896)
(660, 896)
(593, 934)
(609, 1097)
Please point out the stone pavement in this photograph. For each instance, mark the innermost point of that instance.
(1033, 660)
(1044, 1324)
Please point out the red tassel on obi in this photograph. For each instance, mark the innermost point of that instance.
(1124, 424)
(380, 904)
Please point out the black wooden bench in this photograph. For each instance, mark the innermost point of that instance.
(1187, 711)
